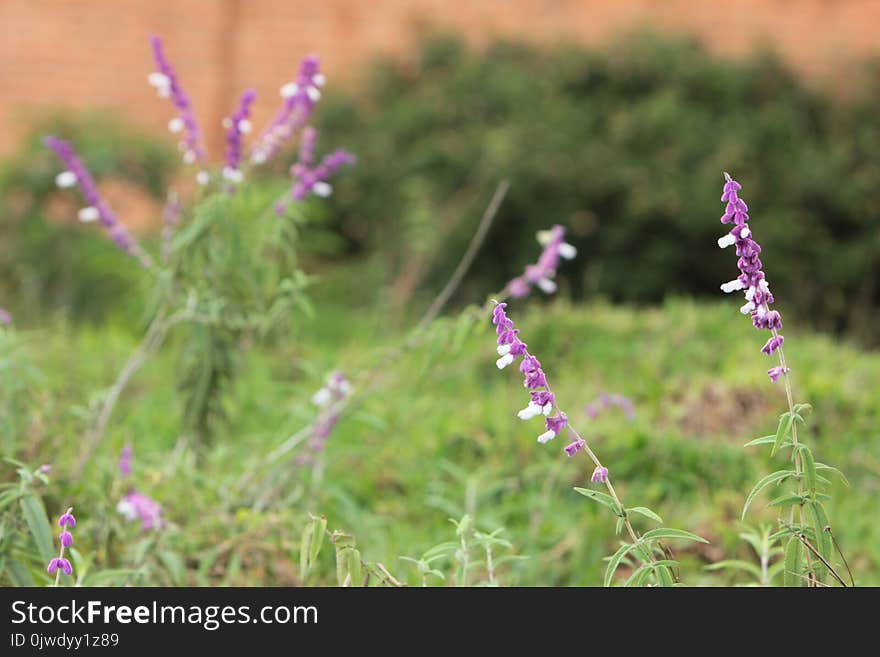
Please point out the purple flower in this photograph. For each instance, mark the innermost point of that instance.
(67, 519)
(775, 372)
(45, 468)
(62, 563)
(237, 125)
(167, 86)
(97, 209)
(125, 458)
(752, 279)
(59, 563)
(573, 448)
(311, 179)
(544, 271)
(600, 475)
(605, 401)
(328, 399)
(5, 317)
(300, 98)
(136, 506)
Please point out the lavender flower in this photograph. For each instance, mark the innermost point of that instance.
(311, 179)
(751, 279)
(97, 209)
(600, 475)
(59, 564)
(300, 98)
(5, 317)
(45, 468)
(237, 125)
(544, 271)
(606, 401)
(125, 459)
(328, 399)
(167, 86)
(137, 506)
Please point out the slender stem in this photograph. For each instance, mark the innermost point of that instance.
(490, 566)
(469, 255)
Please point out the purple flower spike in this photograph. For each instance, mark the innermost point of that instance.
(62, 563)
(67, 519)
(125, 458)
(237, 125)
(329, 399)
(600, 475)
(66, 538)
(300, 98)
(752, 280)
(167, 86)
(543, 272)
(309, 178)
(97, 208)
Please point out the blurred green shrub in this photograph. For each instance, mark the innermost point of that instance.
(625, 147)
(49, 262)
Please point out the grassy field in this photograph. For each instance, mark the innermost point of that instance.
(436, 437)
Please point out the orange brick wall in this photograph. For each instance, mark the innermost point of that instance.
(81, 53)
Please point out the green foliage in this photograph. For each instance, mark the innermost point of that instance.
(625, 147)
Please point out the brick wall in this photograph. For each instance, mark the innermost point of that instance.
(81, 53)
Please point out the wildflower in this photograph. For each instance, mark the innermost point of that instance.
(299, 101)
(605, 401)
(125, 458)
(328, 399)
(237, 125)
(752, 279)
(167, 86)
(573, 448)
(775, 372)
(544, 271)
(96, 208)
(5, 317)
(45, 468)
(136, 506)
(59, 564)
(600, 475)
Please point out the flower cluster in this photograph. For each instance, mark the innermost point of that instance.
(751, 279)
(167, 86)
(135, 505)
(59, 563)
(237, 125)
(606, 401)
(300, 98)
(328, 399)
(543, 272)
(97, 209)
(542, 401)
(309, 178)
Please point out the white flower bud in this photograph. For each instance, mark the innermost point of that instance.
(548, 408)
(322, 189)
(544, 237)
(203, 177)
(567, 251)
(65, 179)
(547, 286)
(747, 308)
(503, 349)
(319, 79)
(244, 126)
(727, 240)
(546, 436)
(88, 214)
(314, 94)
(322, 397)
(159, 80)
(289, 90)
(504, 361)
(175, 124)
(732, 286)
(745, 232)
(530, 411)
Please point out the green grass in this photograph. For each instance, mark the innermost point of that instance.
(437, 437)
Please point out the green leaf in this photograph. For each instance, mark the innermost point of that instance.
(601, 498)
(645, 512)
(615, 560)
(793, 558)
(809, 467)
(830, 468)
(665, 576)
(772, 478)
(305, 548)
(19, 574)
(792, 499)
(782, 432)
(38, 524)
(803, 409)
(356, 576)
(736, 564)
(823, 539)
(763, 440)
(317, 538)
(639, 576)
(668, 532)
